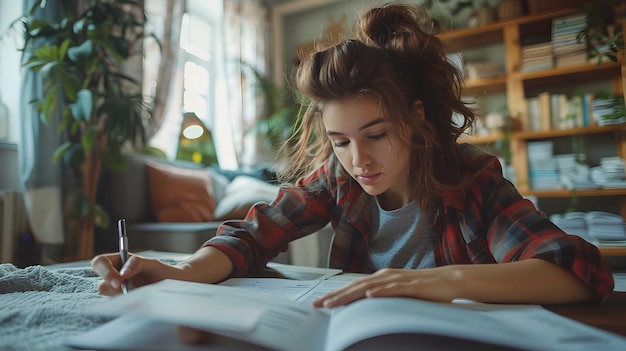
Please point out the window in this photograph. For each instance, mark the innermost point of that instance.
(198, 84)
(193, 88)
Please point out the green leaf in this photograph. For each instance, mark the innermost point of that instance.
(49, 103)
(58, 153)
(89, 137)
(78, 26)
(63, 49)
(74, 156)
(70, 88)
(48, 53)
(39, 27)
(81, 109)
(80, 52)
(45, 70)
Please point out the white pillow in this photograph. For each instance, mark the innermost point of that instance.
(220, 182)
(241, 193)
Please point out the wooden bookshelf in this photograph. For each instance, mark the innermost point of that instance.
(613, 250)
(518, 85)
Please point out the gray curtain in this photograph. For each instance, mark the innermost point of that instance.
(42, 179)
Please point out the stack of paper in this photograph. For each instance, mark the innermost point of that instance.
(608, 111)
(606, 226)
(537, 57)
(574, 173)
(573, 223)
(610, 173)
(542, 171)
(597, 227)
(481, 70)
(568, 48)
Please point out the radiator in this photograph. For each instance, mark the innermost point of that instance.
(13, 222)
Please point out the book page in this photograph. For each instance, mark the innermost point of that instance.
(530, 327)
(304, 291)
(261, 319)
(142, 333)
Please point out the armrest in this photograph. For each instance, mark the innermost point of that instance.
(170, 237)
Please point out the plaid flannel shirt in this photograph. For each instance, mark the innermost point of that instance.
(487, 222)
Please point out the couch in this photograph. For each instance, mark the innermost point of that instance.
(177, 205)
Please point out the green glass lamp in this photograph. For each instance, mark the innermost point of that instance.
(195, 141)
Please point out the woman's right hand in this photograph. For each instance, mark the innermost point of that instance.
(137, 271)
(140, 270)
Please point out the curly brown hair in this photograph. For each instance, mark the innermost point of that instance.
(395, 58)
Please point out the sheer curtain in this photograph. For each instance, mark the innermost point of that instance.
(162, 72)
(245, 39)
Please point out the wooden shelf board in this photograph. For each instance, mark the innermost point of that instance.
(459, 39)
(579, 192)
(613, 250)
(567, 132)
(481, 139)
(567, 75)
(486, 85)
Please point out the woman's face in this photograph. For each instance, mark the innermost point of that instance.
(368, 147)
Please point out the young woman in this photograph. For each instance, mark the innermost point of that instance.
(377, 156)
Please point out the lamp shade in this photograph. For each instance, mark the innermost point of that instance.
(195, 141)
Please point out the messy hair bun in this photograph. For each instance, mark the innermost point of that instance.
(407, 32)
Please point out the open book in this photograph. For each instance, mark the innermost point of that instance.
(276, 314)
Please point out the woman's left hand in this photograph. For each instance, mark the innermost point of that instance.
(435, 284)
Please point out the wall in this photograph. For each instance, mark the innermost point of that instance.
(10, 76)
(304, 21)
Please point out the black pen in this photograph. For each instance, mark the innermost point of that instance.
(121, 229)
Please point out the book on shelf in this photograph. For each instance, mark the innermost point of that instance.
(568, 24)
(559, 110)
(536, 57)
(567, 43)
(481, 70)
(251, 315)
(569, 49)
(552, 111)
(544, 109)
(533, 117)
(571, 59)
(537, 50)
(600, 228)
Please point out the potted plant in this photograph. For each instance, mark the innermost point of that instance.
(279, 114)
(603, 31)
(101, 107)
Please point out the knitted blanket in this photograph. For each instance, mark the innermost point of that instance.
(40, 307)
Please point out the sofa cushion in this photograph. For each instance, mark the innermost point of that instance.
(241, 193)
(180, 194)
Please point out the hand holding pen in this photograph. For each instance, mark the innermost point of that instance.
(121, 229)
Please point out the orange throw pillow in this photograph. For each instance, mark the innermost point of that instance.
(180, 194)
